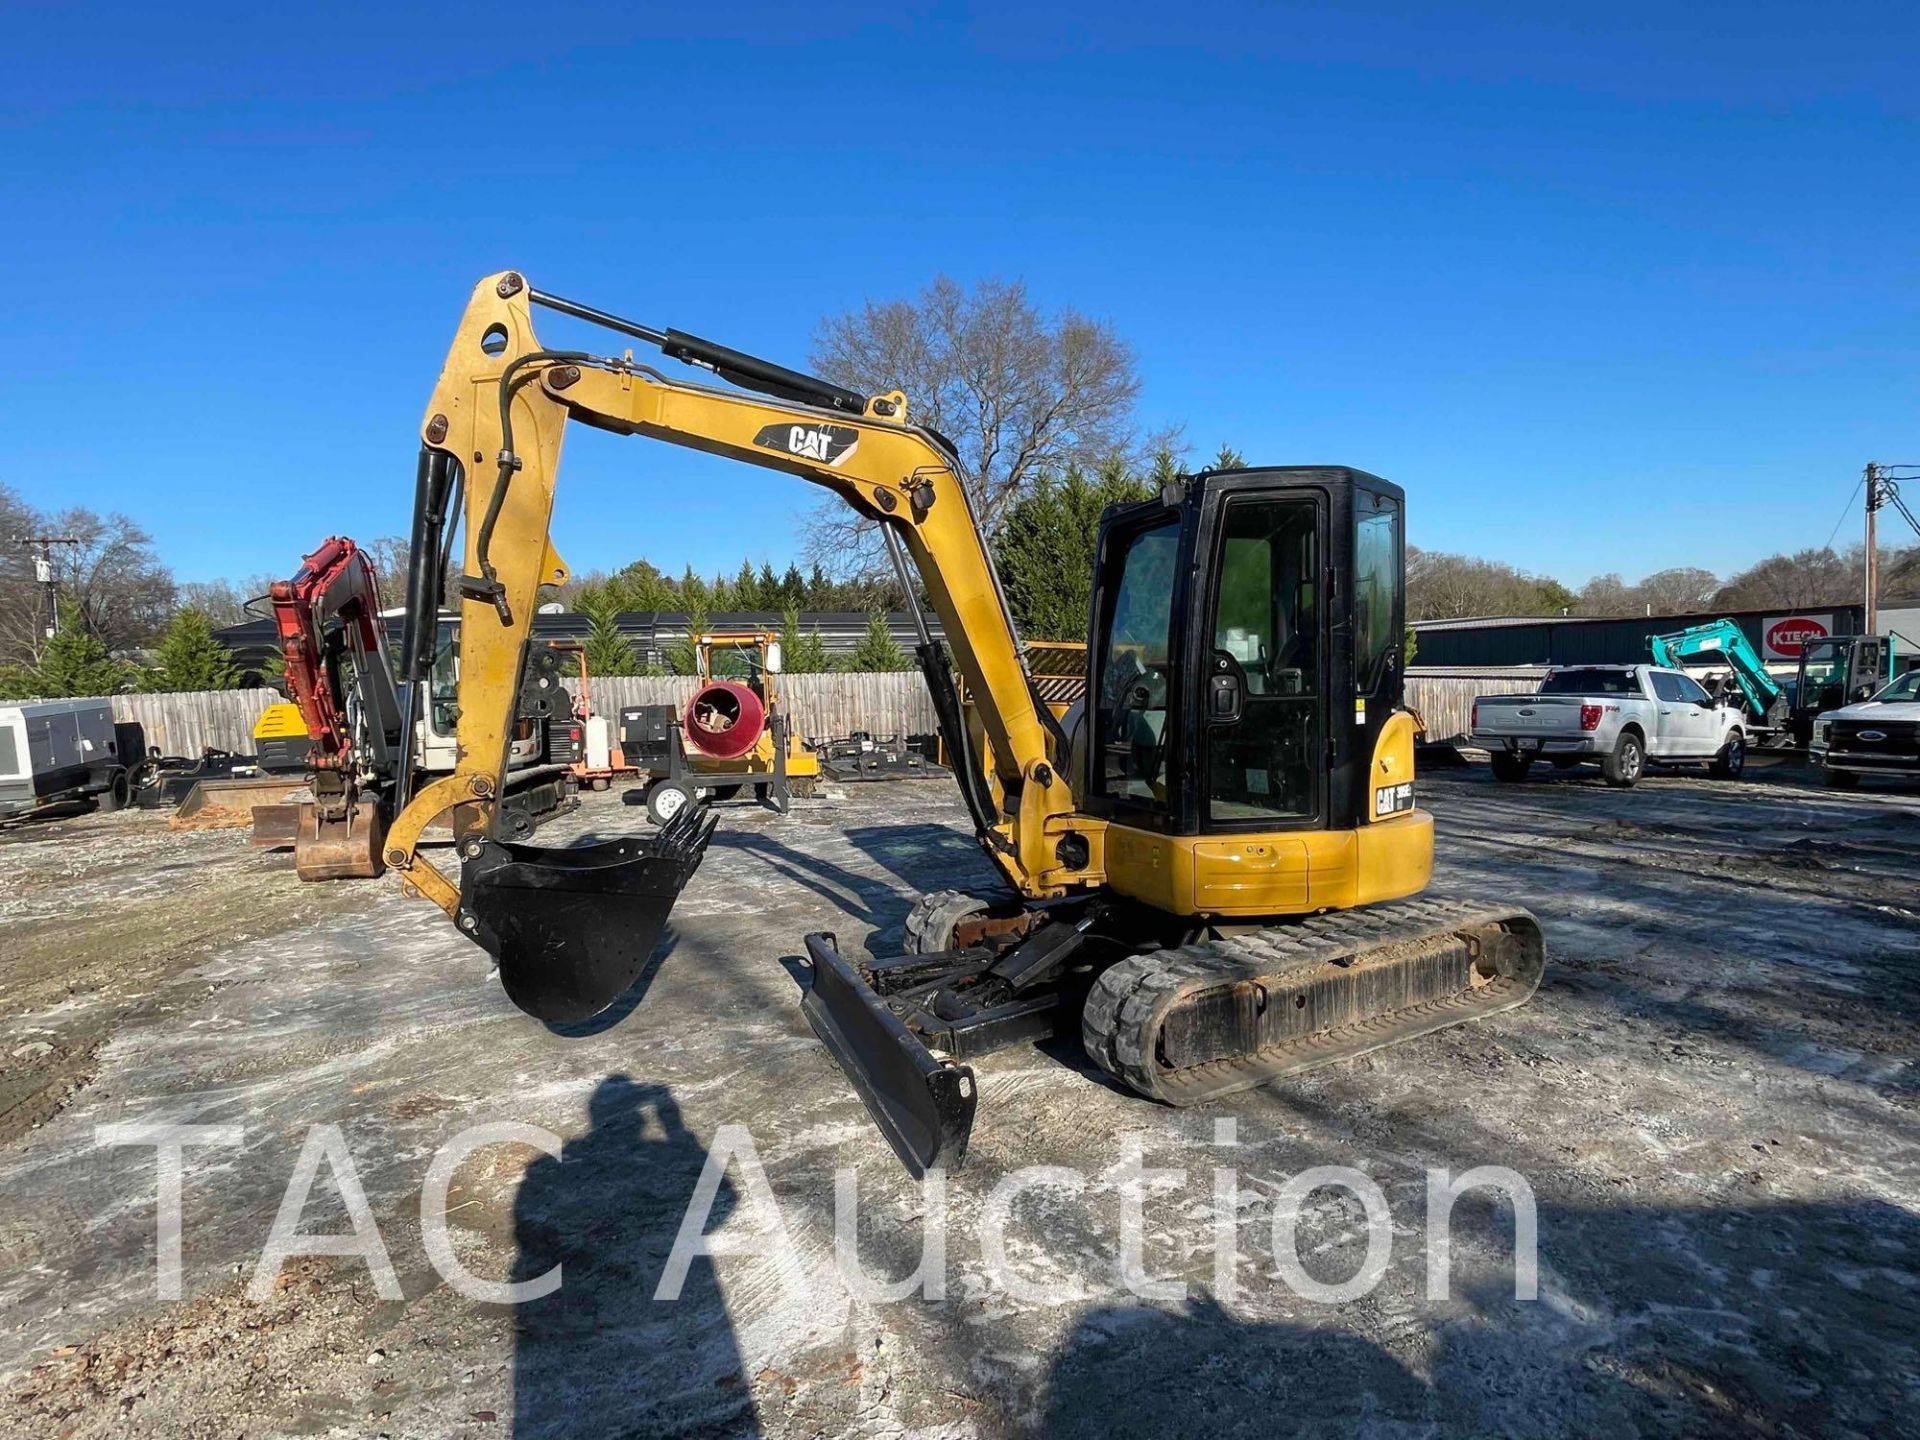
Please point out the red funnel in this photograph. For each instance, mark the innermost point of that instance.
(724, 719)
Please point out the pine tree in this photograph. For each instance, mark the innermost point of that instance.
(190, 658)
(641, 586)
(608, 652)
(876, 650)
(682, 658)
(1044, 550)
(746, 588)
(793, 589)
(801, 654)
(1228, 459)
(693, 590)
(76, 663)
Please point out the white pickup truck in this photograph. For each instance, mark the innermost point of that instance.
(1623, 716)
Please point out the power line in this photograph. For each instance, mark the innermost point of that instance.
(1844, 513)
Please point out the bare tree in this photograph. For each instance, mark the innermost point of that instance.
(1020, 394)
(1451, 587)
(223, 602)
(114, 584)
(1806, 577)
(1684, 590)
(114, 580)
(23, 608)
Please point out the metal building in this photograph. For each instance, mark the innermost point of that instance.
(1776, 634)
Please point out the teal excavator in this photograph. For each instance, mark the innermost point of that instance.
(1766, 702)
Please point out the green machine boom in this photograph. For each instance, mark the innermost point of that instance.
(1725, 640)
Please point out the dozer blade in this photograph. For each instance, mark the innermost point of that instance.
(924, 1106)
(228, 804)
(347, 849)
(571, 927)
(275, 827)
(1187, 1025)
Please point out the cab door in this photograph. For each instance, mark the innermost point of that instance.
(1133, 690)
(1263, 703)
(1699, 715)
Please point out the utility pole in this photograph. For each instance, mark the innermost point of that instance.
(45, 574)
(1873, 559)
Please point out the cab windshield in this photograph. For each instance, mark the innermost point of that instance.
(1907, 687)
(1825, 664)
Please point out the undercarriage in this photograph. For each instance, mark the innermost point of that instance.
(1183, 1016)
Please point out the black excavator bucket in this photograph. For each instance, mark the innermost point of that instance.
(923, 1105)
(571, 927)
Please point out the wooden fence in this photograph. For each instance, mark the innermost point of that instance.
(1444, 694)
(883, 703)
(818, 705)
(886, 703)
(186, 722)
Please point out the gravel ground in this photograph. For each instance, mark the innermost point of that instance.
(1712, 1099)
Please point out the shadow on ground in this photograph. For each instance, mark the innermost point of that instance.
(877, 903)
(1770, 1320)
(601, 1355)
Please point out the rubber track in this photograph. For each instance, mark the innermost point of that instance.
(929, 924)
(1121, 1022)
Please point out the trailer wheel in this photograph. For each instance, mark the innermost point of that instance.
(666, 799)
(1509, 768)
(1732, 758)
(118, 794)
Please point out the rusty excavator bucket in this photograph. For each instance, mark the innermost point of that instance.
(571, 927)
(345, 849)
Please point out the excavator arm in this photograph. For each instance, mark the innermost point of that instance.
(332, 603)
(493, 432)
(1249, 763)
(499, 414)
(338, 673)
(1724, 638)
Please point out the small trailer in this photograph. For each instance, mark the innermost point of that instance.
(57, 751)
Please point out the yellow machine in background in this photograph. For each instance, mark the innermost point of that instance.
(280, 739)
(1241, 767)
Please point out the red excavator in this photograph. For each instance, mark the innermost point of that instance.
(367, 742)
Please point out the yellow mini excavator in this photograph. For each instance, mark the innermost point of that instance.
(1210, 865)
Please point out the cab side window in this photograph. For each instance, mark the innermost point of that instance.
(1692, 691)
(1665, 686)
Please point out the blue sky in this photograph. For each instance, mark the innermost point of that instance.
(1606, 288)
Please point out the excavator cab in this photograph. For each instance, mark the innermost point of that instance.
(1245, 657)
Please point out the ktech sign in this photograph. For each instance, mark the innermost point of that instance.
(1783, 637)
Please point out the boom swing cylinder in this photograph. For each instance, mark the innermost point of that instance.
(1241, 756)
